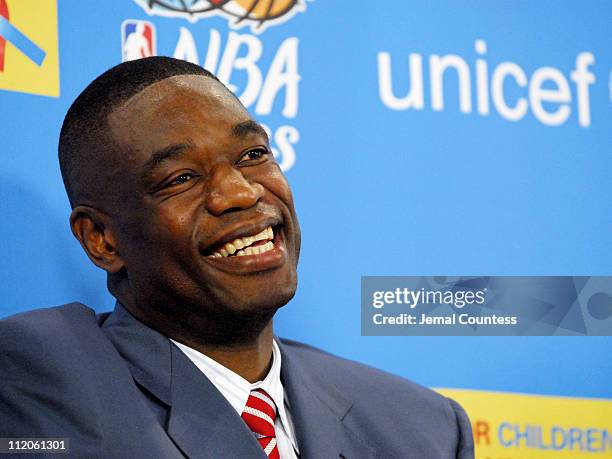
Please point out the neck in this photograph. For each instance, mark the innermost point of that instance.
(250, 360)
(246, 350)
(241, 342)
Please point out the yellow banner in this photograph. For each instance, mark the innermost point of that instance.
(518, 426)
(29, 57)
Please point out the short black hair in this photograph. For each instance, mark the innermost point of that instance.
(84, 135)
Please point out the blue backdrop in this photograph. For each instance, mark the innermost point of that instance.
(420, 138)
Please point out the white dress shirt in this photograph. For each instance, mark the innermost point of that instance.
(236, 390)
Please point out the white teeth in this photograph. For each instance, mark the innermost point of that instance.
(266, 247)
(259, 249)
(240, 246)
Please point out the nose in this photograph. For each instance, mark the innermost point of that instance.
(229, 190)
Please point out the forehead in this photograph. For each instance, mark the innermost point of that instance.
(174, 109)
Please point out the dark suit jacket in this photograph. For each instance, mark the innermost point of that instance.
(118, 389)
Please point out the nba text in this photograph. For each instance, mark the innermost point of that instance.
(238, 65)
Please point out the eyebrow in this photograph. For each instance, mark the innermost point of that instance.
(249, 127)
(165, 154)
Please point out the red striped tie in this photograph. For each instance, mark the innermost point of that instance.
(259, 414)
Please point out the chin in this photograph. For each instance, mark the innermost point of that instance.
(262, 301)
(268, 302)
(244, 296)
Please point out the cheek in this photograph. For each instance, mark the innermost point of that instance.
(274, 181)
(172, 227)
(154, 231)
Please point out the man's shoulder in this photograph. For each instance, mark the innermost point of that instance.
(49, 315)
(63, 378)
(389, 410)
(354, 379)
(54, 324)
(49, 338)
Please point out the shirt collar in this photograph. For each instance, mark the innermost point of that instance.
(236, 389)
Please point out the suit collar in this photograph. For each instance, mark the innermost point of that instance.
(237, 390)
(146, 351)
(201, 422)
(318, 409)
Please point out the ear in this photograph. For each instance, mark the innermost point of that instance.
(91, 228)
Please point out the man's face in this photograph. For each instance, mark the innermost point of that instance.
(205, 217)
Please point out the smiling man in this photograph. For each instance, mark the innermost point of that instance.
(176, 195)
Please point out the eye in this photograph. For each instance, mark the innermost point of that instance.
(253, 154)
(181, 179)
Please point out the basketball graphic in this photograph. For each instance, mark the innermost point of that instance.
(257, 14)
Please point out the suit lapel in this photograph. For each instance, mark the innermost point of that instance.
(318, 410)
(201, 422)
(204, 425)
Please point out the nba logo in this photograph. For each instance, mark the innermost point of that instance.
(137, 39)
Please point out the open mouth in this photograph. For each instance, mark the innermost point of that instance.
(255, 244)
